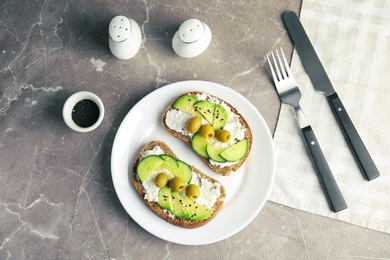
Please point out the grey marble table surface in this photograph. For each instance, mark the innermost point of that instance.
(57, 199)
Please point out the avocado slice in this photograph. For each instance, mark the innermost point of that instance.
(178, 206)
(164, 198)
(182, 206)
(206, 108)
(199, 144)
(186, 104)
(199, 211)
(221, 117)
(235, 152)
(214, 151)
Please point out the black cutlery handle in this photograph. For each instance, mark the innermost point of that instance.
(363, 158)
(329, 184)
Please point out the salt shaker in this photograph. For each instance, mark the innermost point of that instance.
(192, 38)
(124, 37)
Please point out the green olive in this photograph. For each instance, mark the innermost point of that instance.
(207, 131)
(194, 124)
(223, 135)
(193, 191)
(177, 184)
(161, 179)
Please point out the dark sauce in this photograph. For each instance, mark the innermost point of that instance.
(85, 113)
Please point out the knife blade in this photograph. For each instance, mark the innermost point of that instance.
(321, 83)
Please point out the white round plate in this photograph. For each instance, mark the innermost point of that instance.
(247, 189)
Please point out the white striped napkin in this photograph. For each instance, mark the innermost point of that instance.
(352, 39)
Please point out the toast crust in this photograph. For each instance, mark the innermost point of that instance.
(226, 170)
(164, 214)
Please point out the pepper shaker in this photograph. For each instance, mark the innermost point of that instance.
(124, 37)
(192, 38)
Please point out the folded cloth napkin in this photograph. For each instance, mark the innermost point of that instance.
(352, 39)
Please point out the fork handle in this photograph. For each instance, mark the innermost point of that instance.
(333, 194)
(363, 158)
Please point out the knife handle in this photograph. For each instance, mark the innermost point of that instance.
(329, 184)
(363, 158)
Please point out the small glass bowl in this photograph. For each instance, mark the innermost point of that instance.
(70, 104)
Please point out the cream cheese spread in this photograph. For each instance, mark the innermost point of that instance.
(209, 191)
(177, 121)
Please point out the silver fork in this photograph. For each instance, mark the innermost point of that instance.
(290, 94)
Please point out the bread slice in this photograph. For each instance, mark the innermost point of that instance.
(221, 170)
(165, 214)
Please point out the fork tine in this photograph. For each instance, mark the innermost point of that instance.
(281, 64)
(279, 68)
(272, 69)
(286, 65)
(279, 78)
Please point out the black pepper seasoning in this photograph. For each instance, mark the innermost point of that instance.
(85, 113)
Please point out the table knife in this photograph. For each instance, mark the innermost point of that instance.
(321, 83)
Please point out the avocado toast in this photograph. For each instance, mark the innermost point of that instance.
(216, 131)
(183, 196)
